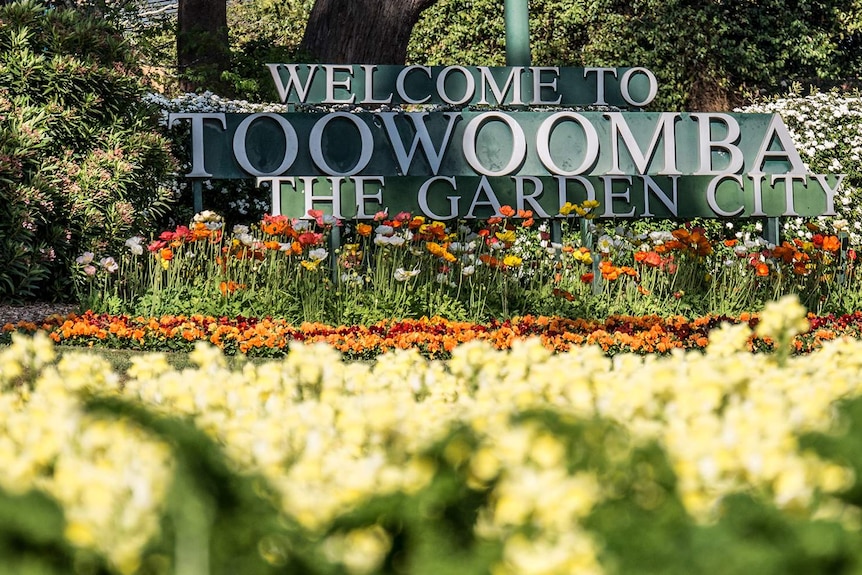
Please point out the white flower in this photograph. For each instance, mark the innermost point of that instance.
(317, 255)
(604, 244)
(240, 229)
(384, 230)
(85, 258)
(468, 270)
(109, 264)
(660, 237)
(134, 245)
(381, 240)
(403, 275)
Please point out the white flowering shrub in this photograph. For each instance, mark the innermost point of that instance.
(240, 201)
(827, 130)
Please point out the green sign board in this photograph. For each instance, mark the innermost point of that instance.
(468, 163)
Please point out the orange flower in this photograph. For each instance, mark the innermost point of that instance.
(762, 269)
(653, 259)
(561, 293)
(272, 245)
(831, 244)
(489, 261)
(363, 230)
(166, 254)
(786, 252)
(507, 211)
(275, 225)
(609, 271)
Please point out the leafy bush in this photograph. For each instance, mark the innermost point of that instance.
(81, 161)
(263, 31)
(703, 53)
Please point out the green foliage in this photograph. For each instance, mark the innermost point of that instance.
(704, 54)
(81, 163)
(261, 32)
(32, 542)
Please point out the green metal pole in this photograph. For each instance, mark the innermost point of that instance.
(198, 195)
(517, 33)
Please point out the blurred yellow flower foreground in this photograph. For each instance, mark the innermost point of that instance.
(328, 434)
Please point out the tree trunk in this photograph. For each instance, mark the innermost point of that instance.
(203, 52)
(361, 31)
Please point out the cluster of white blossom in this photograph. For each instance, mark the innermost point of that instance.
(208, 102)
(826, 128)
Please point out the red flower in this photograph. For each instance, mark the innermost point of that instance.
(310, 238)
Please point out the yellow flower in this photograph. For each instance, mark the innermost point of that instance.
(512, 261)
(507, 236)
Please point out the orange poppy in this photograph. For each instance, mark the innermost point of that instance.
(831, 244)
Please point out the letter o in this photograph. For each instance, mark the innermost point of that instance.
(624, 86)
(316, 148)
(241, 155)
(543, 143)
(468, 92)
(519, 144)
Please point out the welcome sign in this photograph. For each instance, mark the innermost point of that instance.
(467, 163)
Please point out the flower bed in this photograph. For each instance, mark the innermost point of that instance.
(433, 338)
(491, 460)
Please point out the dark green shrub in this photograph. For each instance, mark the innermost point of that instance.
(81, 160)
(704, 54)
